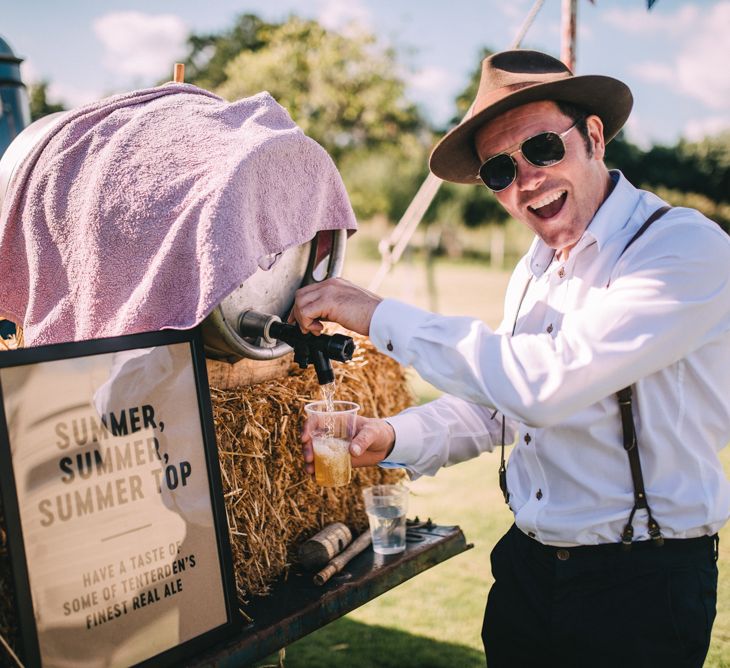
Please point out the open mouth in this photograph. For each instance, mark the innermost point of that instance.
(549, 205)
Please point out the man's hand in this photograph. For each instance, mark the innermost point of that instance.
(373, 441)
(334, 300)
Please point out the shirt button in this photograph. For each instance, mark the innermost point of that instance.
(561, 272)
(538, 496)
(389, 346)
(563, 555)
(549, 328)
(528, 438)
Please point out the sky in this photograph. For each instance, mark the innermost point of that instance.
(675, 58)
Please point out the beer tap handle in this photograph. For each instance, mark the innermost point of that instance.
(308, 349)
(323, 367)
(301, 355)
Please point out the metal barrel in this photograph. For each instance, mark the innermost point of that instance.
(269, 290)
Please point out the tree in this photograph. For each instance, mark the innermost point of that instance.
(466, 97)
(209, 54)
(342, 91)
(39, 104)
(708, 163)
(692, 167)
(470, 205)
(384, 181)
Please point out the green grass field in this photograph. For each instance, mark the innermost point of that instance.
(434, 620)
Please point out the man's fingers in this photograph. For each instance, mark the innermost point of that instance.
(363, 440)
(307, 451)
(372, 441)
(334, 300)
(307, 310)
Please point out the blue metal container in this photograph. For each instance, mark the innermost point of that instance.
(14, 105)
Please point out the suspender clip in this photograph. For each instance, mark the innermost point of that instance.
(503, 482)
(655, 532)
(627, 535)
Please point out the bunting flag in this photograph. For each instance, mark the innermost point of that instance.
(649, 3)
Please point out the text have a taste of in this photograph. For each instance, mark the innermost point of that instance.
(160, 578)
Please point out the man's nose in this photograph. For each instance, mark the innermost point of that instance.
(529, 177)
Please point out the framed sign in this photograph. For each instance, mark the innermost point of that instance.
(111, 487)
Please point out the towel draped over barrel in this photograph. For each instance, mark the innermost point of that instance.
(143, 211)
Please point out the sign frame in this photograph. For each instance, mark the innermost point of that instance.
(31, 653)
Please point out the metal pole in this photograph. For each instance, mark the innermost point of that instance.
(392, 246)
(567, 33)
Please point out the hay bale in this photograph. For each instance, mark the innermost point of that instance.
(271, 504)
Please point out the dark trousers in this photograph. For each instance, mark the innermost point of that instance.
(596, 606)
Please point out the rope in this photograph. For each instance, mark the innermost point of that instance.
(526, 24)
(391, 247)
(10, 652)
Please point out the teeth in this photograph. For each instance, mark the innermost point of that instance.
(547, 199)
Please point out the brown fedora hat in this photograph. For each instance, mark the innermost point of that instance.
(512, 78)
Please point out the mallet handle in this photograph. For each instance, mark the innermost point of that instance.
(340, 561)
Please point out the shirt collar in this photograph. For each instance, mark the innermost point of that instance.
(612, 216)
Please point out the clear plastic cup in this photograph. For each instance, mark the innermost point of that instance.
(332, 426)
(386, 506)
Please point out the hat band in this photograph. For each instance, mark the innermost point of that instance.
(496, 95)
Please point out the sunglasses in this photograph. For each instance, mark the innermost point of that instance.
(543, 150)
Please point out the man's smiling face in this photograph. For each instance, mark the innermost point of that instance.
(556, 202)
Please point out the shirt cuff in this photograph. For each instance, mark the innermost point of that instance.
(408, 440)
(392, 327)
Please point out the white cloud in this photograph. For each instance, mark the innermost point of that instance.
(432, 88)
(430, 79)
(345, 16)
(585, 32)
(702, 65)
(700, 68)
(515, 11)
(637, 133)
(141, 45)
(68, 95)
(639, 20)
(655, 72)
(72, 96)
(699, 128)
(29, 72)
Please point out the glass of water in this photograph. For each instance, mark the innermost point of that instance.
(386, 506)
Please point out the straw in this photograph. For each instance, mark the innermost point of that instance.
(272, 504)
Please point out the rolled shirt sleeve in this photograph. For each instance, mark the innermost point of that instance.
(576, 330)
(444, 432)
(671, 295)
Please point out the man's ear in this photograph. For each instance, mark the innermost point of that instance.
(595, 136)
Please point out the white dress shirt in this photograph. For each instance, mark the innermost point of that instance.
(656, 317)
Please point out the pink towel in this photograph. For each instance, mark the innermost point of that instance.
(144, 210)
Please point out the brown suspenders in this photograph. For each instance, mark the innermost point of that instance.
(629, 432)
(629, 435)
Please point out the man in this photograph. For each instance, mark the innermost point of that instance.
(611, 561)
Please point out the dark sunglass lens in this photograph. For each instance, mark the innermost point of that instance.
(544, 150)
(498, 172)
